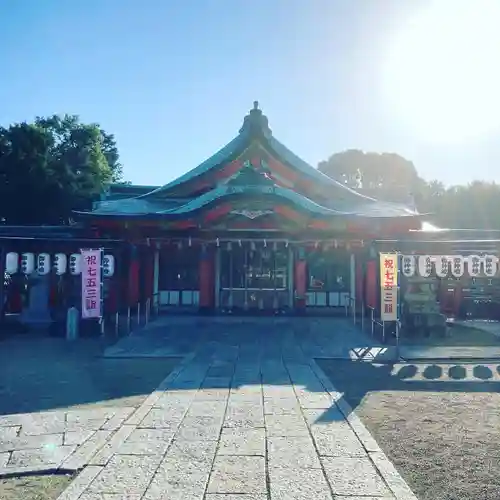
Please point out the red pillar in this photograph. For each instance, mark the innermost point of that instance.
(149, 269)
(360, 281)
(300, 276)
(133, 277)
(206, 271)
(113, 295)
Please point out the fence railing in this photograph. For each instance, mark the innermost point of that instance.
(358, 312)
(125, 320)
(374, 321)
(351, 308)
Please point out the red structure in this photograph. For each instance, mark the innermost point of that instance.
(252, 229)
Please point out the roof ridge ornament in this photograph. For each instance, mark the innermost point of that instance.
(255, 123)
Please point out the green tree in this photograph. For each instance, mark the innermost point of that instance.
(53, 166)
(472, 206)
(372, 171)
(393, 178)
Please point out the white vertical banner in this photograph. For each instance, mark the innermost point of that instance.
(389, 286)
(91, 283)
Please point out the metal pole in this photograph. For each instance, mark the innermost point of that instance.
(373, 321)
(102, 326)
(148, 304)
(117, 323)
(397, 339)
(3, 257)
(353, 310)
(138, 314)
(383, 331)
(128, 320)
(362, 316)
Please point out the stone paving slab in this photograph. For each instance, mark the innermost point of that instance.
(298, 484)
(80, 483)
(242, 441)
(238, 474)
(56, 439)
(292, 452)
(354, 476)
(247, 417)
(4, 459)
(229, 496)
(125, 475)
(52, 457)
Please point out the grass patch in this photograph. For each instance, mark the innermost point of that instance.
(43, 487)
(443, 437)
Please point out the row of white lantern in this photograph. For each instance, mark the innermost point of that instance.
(42, 264)
(446, 264)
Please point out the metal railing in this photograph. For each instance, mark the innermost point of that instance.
(383, 325)
(124, 321)
(351, 305)
(376, 322)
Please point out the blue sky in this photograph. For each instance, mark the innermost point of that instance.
(173, 79)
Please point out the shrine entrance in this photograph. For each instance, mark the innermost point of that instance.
(254, 277)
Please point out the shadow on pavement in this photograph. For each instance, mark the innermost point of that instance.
(39, 373)
(355, 379)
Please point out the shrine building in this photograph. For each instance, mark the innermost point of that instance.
(254, 228)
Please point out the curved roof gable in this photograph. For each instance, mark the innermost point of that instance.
(256, 128)
(322, 196)
(251, 183)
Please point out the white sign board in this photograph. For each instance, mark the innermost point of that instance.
(91, 283)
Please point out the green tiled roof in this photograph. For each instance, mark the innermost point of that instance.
(343, 201)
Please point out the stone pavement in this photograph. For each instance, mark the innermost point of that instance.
(52, 440)
(333, 338)
(248, 415)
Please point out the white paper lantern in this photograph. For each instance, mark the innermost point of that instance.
(457, 266)
(408, 265)
(425, 265)
(442, 265)
(27, 263)
(12, 263)
(75, 264)
(108, 265)
(43, 264)
(490, 263)
(474, 265)
(60, 263)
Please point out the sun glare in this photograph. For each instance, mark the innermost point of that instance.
(442, 74)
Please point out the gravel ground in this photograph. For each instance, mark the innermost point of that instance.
(457, 335)
(39, 374)
(443, 436)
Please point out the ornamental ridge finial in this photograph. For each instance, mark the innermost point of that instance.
(255, 122)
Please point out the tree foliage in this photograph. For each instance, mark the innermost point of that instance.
(53, 166)
(355, 168)
(392, 177)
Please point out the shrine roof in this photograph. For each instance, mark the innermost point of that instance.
(325, 196)
(141, 206)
